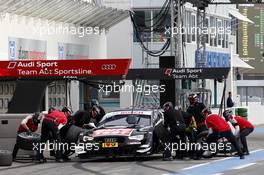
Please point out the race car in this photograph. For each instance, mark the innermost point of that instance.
(128, 132)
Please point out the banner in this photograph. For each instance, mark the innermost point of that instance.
(64, 68)
(178, 73)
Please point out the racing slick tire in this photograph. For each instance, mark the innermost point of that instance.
(201, 137)
(5, 158)
(27, 141)
(73, 134)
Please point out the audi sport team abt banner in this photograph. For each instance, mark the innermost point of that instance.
(178, 73)
(62, 68)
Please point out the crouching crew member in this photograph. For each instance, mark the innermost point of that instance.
(51, 125)
(219, 128)
(174, 124)
(29, 124)
(191, 133)
(196, 110)
(245, 128)
(63, 132)
(96, 112)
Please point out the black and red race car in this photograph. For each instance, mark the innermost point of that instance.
(128, 132)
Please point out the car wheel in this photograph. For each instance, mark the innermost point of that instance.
(73, 134)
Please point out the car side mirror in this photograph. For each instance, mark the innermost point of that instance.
(92, 125)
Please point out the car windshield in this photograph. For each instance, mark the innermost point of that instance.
(123, 120)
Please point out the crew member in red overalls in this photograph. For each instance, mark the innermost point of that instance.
(245, 128)
(50, 130)
(219, 128)
(29, 124)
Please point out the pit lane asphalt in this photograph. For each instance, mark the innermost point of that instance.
(222, 165)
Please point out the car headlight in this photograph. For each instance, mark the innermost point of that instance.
(136, 137)
(87, 138)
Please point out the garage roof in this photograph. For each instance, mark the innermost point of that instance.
(77, 12)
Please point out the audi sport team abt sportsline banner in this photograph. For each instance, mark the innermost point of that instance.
(62, 68)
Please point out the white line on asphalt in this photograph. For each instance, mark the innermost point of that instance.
(256, 150)
(222, 159)
(243, 166)
(195, 166)
(233, 157)
(218, 174)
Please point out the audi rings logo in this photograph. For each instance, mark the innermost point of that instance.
(108, 67)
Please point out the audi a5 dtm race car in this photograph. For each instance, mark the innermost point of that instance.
(129, 132)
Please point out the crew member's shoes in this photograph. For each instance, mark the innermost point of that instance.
(60, 160)
(43, 160)
(246, 153)
(168, 158)
(207, 154)
(37, 161)
(179, 157)
(67, 159)
(196, 157)
(242, 157)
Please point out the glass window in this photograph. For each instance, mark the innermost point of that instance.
(142, 20)
(12, 88)
(1, 103)
(206, 25)
(159, 30)
(50, 90)
(58, 101)
(1, 89)
(58, 89)
(122, 120)
(189, 31)
(6, 88)
(63, 103)
(63, 89)
(251, 94)
(219, 31)
(6, 103)
(50, 102)
(234, 25)
(54, 102)
(227, 33)
(212, 31)
(193, 27)
(54, 89)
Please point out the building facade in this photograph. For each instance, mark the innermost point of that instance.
(25, 37)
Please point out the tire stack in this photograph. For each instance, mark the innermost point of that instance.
(5, 158)
(243, 112)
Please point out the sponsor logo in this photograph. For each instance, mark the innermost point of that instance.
(12, 50)
(108, 67)
(168, 72)
(110, 139)
(11, 65)
(109, 132)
